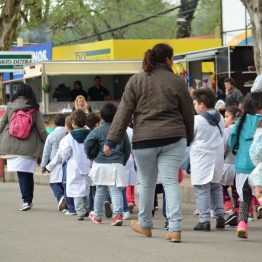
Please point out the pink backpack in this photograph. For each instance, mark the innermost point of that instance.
(21, 124)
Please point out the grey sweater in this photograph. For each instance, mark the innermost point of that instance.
(52, 144)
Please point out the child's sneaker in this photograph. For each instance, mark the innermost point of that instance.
(250, 217)
(80, 217)
(212, 213)
(61, 204)
(166, 227)
(117, 220)
(220, 223)
(242, 229)
(196, 212)
(259, 212)
(231, 220)
(108, 209)
(25, 207)
(126, 215)
(94, 219)
(67, 213)
(131, 208)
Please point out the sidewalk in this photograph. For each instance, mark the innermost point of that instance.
(43, 179)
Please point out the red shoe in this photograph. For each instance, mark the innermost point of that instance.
(242, 229)
(117, 221)
(94, 219)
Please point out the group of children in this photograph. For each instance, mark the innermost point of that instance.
(219, 159)
(74, 157)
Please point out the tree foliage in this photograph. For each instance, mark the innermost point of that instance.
(70, 20)
(207, 18)
(62, 21)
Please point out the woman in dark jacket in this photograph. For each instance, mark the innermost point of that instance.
(163, 125)
(22, 154)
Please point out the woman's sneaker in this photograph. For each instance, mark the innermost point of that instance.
(242, 229)
(25, 207)
(117, 220)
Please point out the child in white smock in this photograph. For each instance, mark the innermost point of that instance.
(207, 159)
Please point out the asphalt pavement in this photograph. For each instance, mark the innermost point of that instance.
(44, 234)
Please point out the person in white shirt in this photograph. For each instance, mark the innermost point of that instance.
(78, 165)
(50, 150)
(207, 159)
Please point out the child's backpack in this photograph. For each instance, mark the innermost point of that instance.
(21, 124)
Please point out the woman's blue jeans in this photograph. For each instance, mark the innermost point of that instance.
(164, 162)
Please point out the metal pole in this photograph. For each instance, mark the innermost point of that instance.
(221, 22)
(246, 25)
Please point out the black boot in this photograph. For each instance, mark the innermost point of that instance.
(205, 226)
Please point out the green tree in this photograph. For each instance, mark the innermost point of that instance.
(207, 18)
(70, 20)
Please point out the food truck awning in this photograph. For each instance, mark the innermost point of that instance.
(204, 55)
(208, 55)
(13, 80)
(91, 67)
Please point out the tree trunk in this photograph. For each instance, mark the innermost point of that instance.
(9, 20)
(184, 29)
(254, 8)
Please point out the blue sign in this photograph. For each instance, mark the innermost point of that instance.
(41, 52)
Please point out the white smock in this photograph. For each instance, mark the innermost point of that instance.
(21, 164)
(207, 152)
(240, 181)
(78, 166)
(108, 175)
(229, 168)
(132, 177)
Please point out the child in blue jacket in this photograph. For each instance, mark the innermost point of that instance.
(108, 171)
(240, 141)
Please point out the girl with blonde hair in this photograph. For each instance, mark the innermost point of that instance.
(81, 103)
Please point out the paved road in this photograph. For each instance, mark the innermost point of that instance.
(44, 234)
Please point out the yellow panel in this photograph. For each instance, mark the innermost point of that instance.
(91, 51)
(208, 67)
(128, 49)
(135, 49)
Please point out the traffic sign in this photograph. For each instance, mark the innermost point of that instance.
(14, 61)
